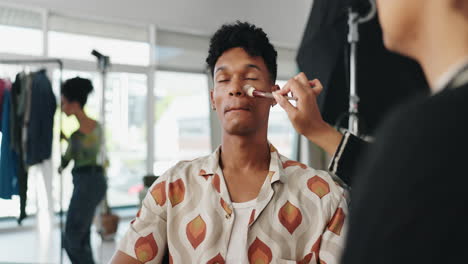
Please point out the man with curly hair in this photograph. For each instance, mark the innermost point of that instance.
(245, 203)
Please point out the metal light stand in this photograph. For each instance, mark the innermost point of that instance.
(103, 64)
(103, 67)
(353, 38)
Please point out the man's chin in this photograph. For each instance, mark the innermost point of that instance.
(239, 130)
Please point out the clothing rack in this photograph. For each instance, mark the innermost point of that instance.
(60, 65)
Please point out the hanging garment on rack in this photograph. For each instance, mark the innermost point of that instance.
(27, 125)
(8, 158)
(33, 108)
(4, 84)
(40, 120)
(19, 93)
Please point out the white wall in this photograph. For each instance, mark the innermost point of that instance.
(283, 20)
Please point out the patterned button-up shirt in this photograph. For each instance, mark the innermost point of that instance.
(300, 216)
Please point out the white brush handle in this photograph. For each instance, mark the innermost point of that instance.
(270, 95)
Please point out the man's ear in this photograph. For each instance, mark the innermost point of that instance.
(274, 88)
(213, 106)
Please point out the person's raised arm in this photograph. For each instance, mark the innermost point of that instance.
(67, 157)
(307, 120)
(305, 116)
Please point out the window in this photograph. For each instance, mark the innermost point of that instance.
(20, 40)
(182, 127)
(75, 46)
(280, 130)
(176, 51)
(21, 31)
(75, 38)
(126, 136)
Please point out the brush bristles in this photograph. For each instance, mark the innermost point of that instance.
(249, 90)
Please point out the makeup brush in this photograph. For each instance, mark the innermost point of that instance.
(252, 92)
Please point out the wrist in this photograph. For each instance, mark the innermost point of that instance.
(319, 131)
(326, 137)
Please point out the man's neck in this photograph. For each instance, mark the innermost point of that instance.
(445, 44)
(244, 153)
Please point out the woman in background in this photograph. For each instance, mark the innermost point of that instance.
(89, 183)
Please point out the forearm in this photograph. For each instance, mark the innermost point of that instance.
(64, 163)
(326, 137)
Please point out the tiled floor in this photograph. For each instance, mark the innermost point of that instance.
(38, 240)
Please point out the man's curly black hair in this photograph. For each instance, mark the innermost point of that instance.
(243, 35)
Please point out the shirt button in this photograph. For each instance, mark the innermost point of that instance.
(228, 216)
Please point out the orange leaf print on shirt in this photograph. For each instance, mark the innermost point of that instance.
(196, 231)
(290, 216)
(290, 163)
(316, 247)
(159, 193)
(252, 217)
(146, 248)
(337, 221)
(225, 206)
(203, 174)
(318, 186)
(176, 192)
(216, 183)
(259, 253)
(306, 259)
(218, 259)
(316, 250)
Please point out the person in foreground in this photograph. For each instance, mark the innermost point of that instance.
(410, 194)
(245, 203)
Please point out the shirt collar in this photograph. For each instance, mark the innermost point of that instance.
(276, 171)
(446, 78)
(276, 166)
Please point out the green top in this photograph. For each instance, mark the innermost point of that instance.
(83, 148)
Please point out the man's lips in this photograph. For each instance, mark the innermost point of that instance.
(231, 109)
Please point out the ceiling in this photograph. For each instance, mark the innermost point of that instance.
(284, 21)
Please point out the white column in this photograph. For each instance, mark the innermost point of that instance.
(150, 104)
(45, 31)
(46, 167)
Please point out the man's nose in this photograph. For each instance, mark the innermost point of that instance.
(235, 89)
